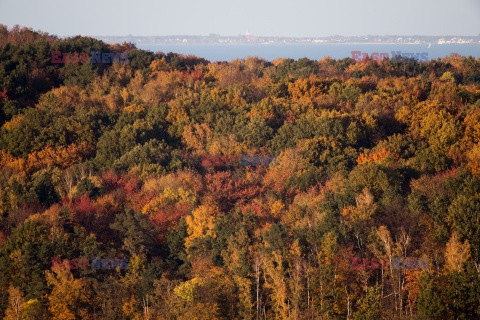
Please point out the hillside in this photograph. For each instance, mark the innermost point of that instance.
(170, 187)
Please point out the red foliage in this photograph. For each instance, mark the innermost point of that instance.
(260, 210)
(3, 239)
(111, 180)
(193, 74)
(84, 210)
(449, 173)
(106, 210)
(138, 200)
(255, 208)
(3, 95)
(429, 184)
(26, 210)
(131, 184)
(227, 190)
(168, 217)
(209, 160)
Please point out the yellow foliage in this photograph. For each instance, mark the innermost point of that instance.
(16, 164)
(186, 290)
(277, 62)
(197, 136)
(134, 108)
(474, 159)
(376, 156)
(235, 100)
(49, 217)
(158, 65)
(201, 223)
(168, 196)
(277, 207)
(291, 164)
(328, 249)
(226, 145)
(295, 249)
(32, 310)
(187, 180)
(136, 263)
(362, 212)
(8, 201)
(456, 253)
(177, 113)
(62, 157)
(128, 307)
(14, 122)
(472, 126)
(69, 297)
(16, 304)
(265, 109)
(276, 283)
(163, 86)
(305, 89)
(152, 207)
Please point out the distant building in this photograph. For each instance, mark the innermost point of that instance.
(250, 37)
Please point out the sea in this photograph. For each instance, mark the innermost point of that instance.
(269, 52)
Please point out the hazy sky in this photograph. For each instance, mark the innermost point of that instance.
(259, 17)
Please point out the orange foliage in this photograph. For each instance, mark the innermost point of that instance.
(3, 95)
(14, 122)
(85, 211)
(224, 189)
(306, 89)
(277, 62)
(3, 239)
(412, 286)
(376, 156)
(197, 136)
(168, 217)
(62, 157)
(163, 86)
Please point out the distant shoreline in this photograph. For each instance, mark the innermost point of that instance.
(297, 43)
(253, 40)
(315, 51)
(290, 43)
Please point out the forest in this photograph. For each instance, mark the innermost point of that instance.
(122, 194)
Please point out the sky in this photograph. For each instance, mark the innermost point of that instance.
(292, 18)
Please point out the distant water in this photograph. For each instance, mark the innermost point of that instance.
(227, 52)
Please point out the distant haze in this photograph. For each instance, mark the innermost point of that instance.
(260, 17)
